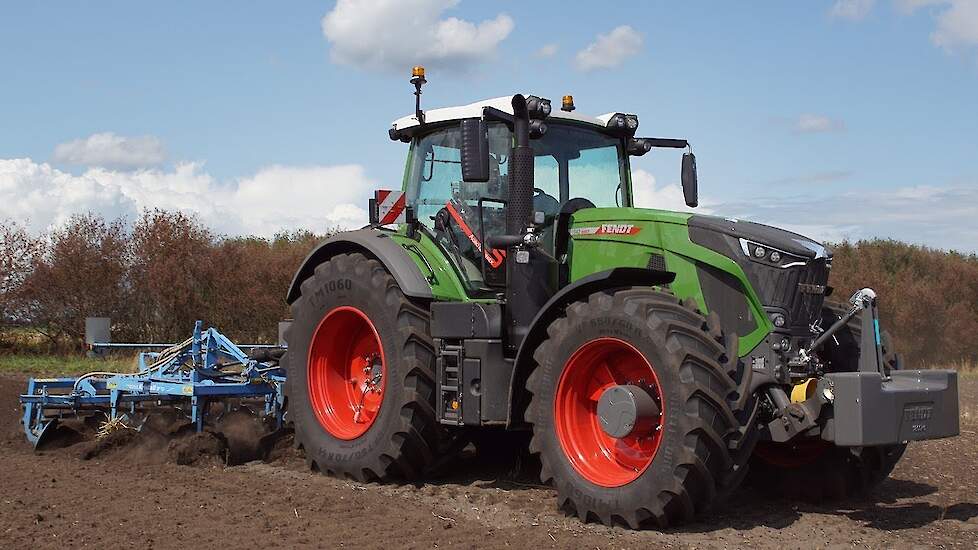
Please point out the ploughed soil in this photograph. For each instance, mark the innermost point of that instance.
(175, 489)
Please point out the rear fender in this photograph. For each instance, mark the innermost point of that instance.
(373, 243)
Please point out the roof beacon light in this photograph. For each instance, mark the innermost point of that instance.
(417, 78)
(567, 104)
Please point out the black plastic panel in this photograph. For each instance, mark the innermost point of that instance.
(726, 296)
(456, 320)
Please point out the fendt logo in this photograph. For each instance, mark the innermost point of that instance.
(606, 229)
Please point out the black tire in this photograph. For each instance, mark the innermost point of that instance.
(404, 437)
(703, 452)
(819, 471)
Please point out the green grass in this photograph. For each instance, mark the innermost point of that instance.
(60, 365)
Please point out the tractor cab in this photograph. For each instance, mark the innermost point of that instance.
(579, 162)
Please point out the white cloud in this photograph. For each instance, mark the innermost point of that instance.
(853, 10)
(940, 217)
(910, 6)
(957, 26)
(109, 149)
(547, 50)
(273, 199)
(649, 194)
(956, 21)
(609, 50)
(812, 124)
(397, 34)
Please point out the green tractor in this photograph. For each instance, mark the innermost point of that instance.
(512, 285)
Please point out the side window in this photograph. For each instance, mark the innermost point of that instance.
(588, 175)
(436, 171)
(461, 214)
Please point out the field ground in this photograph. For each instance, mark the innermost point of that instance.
(137, 494)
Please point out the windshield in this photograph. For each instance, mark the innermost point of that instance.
(572, 162)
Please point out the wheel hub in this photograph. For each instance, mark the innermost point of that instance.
(627, 410)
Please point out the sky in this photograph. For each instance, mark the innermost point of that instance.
(840, 119)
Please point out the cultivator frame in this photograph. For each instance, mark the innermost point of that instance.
(188, 376)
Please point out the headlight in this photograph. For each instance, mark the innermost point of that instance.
(767, 255)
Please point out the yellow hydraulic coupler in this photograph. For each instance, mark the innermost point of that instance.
(801, 391)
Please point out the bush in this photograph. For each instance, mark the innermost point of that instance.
(928, 298)
(153, 280)
(18, 253)
(79, 272)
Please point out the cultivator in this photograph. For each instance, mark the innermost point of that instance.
(188, 377)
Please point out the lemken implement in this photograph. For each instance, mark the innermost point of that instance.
(511, 284)
(205, 369)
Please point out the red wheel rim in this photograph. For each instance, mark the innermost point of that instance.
(344, 389)
(598, 457)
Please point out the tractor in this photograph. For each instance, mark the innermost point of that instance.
(653, 357)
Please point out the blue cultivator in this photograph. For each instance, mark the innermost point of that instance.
(187, 377)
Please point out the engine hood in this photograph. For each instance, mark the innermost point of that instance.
(771, 237)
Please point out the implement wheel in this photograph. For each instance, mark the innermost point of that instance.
(638, 410)
(360, 380)
(813, 469)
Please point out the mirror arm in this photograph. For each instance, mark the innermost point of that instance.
(495, 115)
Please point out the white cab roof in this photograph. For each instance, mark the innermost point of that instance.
(474, 110)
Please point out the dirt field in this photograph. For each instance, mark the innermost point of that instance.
(138, 495)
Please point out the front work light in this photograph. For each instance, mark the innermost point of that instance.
(538, 107)
(623, 123)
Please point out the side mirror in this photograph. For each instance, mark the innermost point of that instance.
(689, 180)
(475, 151)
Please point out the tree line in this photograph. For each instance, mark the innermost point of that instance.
(153, 278)
(156, 276)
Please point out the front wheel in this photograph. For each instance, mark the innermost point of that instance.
(637, 410)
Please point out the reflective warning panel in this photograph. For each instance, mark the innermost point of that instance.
(390, 207)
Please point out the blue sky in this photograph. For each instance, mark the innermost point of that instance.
(842, 119)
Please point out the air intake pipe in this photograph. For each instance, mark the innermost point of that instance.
(530, 273)
(519, 207)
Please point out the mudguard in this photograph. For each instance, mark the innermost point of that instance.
(375, 243)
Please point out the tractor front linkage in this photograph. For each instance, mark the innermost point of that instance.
(874, 405)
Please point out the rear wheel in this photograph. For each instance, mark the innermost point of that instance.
(637, 410)
(814, 469)
(360, 373)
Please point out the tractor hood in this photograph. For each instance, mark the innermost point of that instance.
(772, 237)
